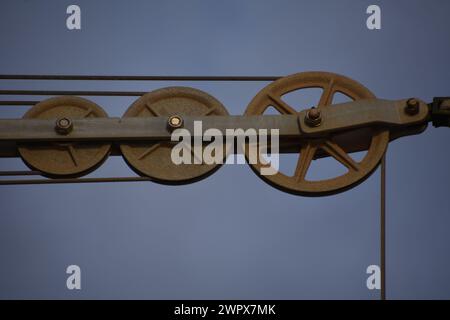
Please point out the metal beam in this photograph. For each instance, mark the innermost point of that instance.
(341, 117)
(129, 129)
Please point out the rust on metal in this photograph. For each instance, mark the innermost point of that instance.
(313, 117)
(70, 159)
(63, 125)
(364, 114)
(342, 117)
(298, 183)
(175, 122)
(412, 106)
(153, 159)
(66, 137)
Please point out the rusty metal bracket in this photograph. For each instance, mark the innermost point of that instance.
(365, 113)
(137, 129)
(361, 113)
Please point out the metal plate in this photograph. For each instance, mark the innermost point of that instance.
(311, 149)
(63, 160)
(154, 159)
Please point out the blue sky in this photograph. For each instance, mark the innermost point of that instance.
(230, 235)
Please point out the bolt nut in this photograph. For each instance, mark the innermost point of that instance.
(313, 117)
(174, 122)
(63, 125)
(412, 107)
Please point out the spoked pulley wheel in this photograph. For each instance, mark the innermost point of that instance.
(61, 159)
(153, 159)
(333, 145)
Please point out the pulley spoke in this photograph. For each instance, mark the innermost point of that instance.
(307, 153)
(152, 110)
(149, 150)
(340, 155)
(72, 153)
(208, 112)
(87, 113)
(325, 98)
(281, 106)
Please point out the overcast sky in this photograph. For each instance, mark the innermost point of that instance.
(231, 235)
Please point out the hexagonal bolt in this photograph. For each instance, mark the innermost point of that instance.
(174, 122)
(412, 107)
(313, 117)
(63, 125)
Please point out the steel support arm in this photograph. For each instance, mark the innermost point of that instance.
(341, 117)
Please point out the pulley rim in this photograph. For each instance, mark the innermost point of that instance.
(152, 159)
(330, 83)
(64, 160)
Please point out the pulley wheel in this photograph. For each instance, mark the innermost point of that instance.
(153, 159)
(311, 149)
(61, 159)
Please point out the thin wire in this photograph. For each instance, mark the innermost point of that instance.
(73, 180)
(71, 93)
(18, 103)
(108, 78)
(383, 228)
(19, 173)
(137, 78)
